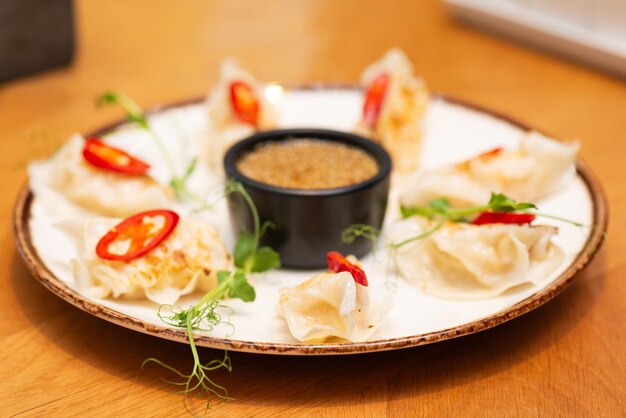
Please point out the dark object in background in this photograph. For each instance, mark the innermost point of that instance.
(308, 223)
(35, 35)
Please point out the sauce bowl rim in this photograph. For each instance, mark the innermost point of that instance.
(382, 157)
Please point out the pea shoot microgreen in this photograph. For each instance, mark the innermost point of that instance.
(351, 233)
(373, 234)
(441, 210)
(249, 257)
(135, 115)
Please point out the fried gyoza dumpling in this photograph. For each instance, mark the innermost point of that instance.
(236, 107)
(96, 190)
(188, 259)
(538, 167)
(464, 261)
(395, 103)
(330, 307)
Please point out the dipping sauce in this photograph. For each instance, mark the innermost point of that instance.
(307, 164)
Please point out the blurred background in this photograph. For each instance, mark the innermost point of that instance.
(511, 55)
(37, 34)
(589, 31)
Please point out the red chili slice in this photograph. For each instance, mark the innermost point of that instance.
(503, 218)
(374, 99)
(245, 102)
(489, 154)
(338, 263)
(106, 157)
(137, 235)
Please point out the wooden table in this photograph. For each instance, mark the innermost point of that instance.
(564, 359)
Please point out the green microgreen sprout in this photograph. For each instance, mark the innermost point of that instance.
(249, 257)
(204, 317)
(351, 233)
(373, 234)
(440, 209)
(135, 115)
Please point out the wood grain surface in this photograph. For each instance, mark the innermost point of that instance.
(563, 359)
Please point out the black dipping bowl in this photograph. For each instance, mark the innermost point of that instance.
(309, 222)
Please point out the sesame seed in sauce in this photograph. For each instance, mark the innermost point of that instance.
(307, 164)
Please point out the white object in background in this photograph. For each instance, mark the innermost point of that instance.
(611, 17)
(593, 31)
(573, 11)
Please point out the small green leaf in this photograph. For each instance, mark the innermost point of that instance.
(500, 200)
(408, 212)
(441, 205)
(139, 119)
(525, 205)
(244, 247)
(240, 288)
(108, 97)
(133, 111)
(501, 203)
(181, 317)
(265, 259)
(223, 276)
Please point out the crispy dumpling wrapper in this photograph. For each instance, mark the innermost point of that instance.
(464, 261)
(538, 167)
(458, 188)
(331, 307)
(188, 259)
(66, 175)
(224, 127)
(399, 126)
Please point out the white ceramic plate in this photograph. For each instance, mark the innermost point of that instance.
(453, 131)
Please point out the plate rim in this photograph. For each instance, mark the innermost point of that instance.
(22, 236)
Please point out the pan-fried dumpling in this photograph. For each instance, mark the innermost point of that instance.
(330, 307)
(464, 261)
(225, 126)
(188, 259)
(99, 191)
(538, 167)
(460, 189)
(398, 126)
